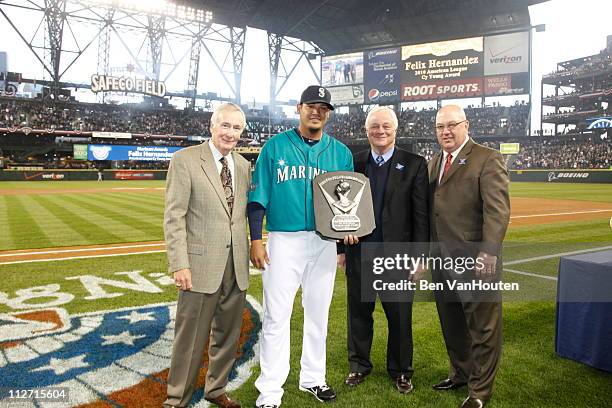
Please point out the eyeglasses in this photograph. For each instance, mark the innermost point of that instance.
(228, 127)
(451, 126)
(320, 108)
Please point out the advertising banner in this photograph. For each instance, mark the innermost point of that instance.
(106, 83)
(342, 69)
(509, 148)
(134, 175)
(444, 60)
(382, 75)
(111, 135)
(562, 176)
(79, 152)
(444, 69)
(506, 54)
(137, 153)
(510, 84)
(604, 122)
(348, 94)
(461, 88)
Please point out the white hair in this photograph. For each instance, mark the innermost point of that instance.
(385, 109)
(226, 107)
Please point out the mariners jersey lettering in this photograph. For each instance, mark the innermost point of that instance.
(282, 181)
(286, 173)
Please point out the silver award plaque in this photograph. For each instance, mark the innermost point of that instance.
(343, 204)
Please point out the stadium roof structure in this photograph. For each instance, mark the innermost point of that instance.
(339, 26)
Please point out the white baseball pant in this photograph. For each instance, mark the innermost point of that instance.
(296, 259)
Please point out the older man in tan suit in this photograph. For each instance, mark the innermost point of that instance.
(470, 215)
(206, 240)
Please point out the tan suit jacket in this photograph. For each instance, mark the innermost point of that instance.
(198, 228)
(472, 203)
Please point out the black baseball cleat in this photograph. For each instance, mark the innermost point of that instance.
(323, 393)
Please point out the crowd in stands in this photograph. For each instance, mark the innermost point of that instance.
(564, 154)
(102, 118)
(486, 121)
(601, 62)
(546, 153)
(487, 124)
(535, 153)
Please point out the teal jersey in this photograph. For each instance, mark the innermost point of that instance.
(282, 180)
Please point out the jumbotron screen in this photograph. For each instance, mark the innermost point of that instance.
(461, 68)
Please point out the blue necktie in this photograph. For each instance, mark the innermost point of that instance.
(380, 160)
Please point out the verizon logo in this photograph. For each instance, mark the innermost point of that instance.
(506, 59)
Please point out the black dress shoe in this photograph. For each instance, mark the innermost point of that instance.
(404, 384)
(354, 379)
(447, 385)
(473, 403)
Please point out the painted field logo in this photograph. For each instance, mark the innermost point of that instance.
(112, 358)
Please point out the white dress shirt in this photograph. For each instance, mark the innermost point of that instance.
(386, 155)
(453, 157)
(217, 158)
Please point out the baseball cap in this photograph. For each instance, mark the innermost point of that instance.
(317, 94)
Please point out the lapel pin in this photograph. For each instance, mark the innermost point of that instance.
(462, 162)
(399, 166)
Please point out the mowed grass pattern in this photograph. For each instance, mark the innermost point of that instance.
(36, 219)
(563, 191)
(48, 220)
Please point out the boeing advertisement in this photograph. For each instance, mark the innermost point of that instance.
(135, 153)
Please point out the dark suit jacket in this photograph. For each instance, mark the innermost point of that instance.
(471, 206)
(405, 215)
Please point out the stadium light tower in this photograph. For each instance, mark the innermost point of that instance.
(159, 7)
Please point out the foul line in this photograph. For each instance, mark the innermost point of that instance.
(535, 275)
(138, 188)
(562, 213)
(540, 258)
(79, 257)
(62, 251)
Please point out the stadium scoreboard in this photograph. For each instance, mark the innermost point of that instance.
(469, 67)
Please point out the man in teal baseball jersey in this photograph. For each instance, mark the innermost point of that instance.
(295, 255)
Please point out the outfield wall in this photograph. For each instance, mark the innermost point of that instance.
(552, 176)
(73, 175)
(562, 176)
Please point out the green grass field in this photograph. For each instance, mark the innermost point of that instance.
(530, 374)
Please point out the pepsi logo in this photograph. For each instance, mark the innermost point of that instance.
(374, 94)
